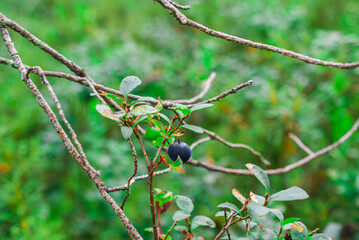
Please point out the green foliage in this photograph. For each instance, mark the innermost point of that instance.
(319, 104)
(258, 209)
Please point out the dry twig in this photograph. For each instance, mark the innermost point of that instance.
(183, 19)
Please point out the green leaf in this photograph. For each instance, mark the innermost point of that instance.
(179, 228)
(221, 214)
(290, 194)
(126, 132)
(158, 124)
(257, 210)
(230, 206)
(128, 84)
(277, 213)
(182, 110)
(177, 163)
(260, 175)
(184, 203)
(321, 236)
(165, 118)
(141, 119)
(142, 110)
(289, 220)
(106, 112)
(203, 221)
(298, 231)
(159, 105)
(238, 195)
(179, 215)
(192, 128)
(201, 106)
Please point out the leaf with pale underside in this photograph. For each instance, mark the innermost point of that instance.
(128, 84)
(238, 195)
(142, 110)
(106, 112)
(298, 231)
(290, 194)
(126, 132)
(185, 204)
(192, 128)
(259, 174)
(201, 106)
(180, 215)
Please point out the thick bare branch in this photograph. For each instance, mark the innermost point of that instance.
(186, 21)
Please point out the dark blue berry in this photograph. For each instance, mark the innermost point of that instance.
(173, 151)
(181, 150)
(184, 151)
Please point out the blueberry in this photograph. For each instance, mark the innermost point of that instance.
(179, 149)
(184, 152)
(173, 151)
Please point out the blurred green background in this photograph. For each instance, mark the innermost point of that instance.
(44, 194)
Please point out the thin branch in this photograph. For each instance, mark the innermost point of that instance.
(300, 143)
(226, 226)
(224, 94)
(206, 86)
(135, 179)
(55, 123)
(134, 154)
(285, 169)
(186, 21)
(169, 231)
(37, 42)
(314, 231)
(40, 72)
(183, 7)
(236, 145)
(202, 140)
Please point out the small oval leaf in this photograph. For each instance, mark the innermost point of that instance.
(321, 236)
(184, 203)
(290, 194)
(192, 128)
(128, 84)
(142, 110)
(230, 206)
(179, 215)
(201, 106)
(238, 195)
(260, 175)
(106, 112)
(126, 132)
(298, 231)
(203, 221)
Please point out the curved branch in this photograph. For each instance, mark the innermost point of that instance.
(236, 145)
(206, 86)
(285, 169)
(224, 94)
(186, 21)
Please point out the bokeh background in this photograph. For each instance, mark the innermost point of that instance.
(44, 194)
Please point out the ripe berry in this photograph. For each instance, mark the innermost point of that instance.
(179, 149)
(152, 133)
